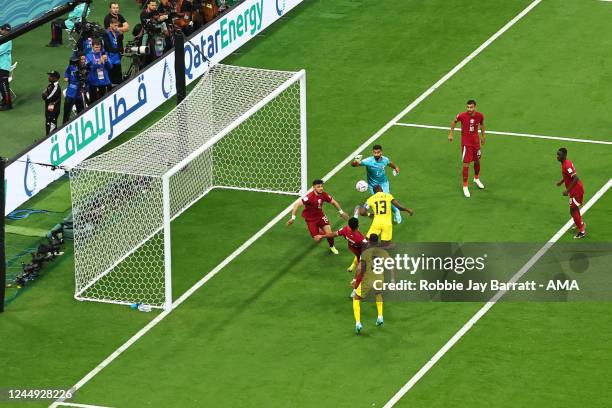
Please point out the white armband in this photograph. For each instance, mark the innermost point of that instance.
(292, 217)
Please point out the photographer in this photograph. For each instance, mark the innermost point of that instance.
(155, 30)
(76, 75)
(89, 32)
(113, 45)
(114, 13)
(135, 51)
(99, 66)
(169, 8)
(53, 99)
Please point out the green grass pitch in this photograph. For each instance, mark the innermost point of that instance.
(274, 328)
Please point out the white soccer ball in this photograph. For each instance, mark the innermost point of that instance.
(361, 186)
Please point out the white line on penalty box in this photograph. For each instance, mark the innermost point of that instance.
(494, 132)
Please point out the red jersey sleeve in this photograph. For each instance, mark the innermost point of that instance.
(568, 168)
(326, 197)
(344, 232)
(481, 118)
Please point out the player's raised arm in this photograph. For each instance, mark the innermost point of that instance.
(340, 211)
(451, 134)
(357, 160)
(298, 203)
(402, 208)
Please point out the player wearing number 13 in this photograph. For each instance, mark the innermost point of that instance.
(379, 206)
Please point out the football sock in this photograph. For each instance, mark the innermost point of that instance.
(357, 310)
(379, 305)
(330, 241)
(578, 219)
(476, 169)
(358, 279)
(466, 170)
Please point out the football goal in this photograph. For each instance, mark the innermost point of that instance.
(239, 128)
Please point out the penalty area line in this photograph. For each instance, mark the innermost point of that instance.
(493, 132)
(487, 306)
(286, 211)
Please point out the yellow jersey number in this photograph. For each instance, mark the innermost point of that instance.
(381, 207)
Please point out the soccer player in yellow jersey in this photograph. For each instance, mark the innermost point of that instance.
(379, 206)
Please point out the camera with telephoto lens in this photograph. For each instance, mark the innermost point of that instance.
(132, 48)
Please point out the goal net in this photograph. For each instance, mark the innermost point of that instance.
(239, 128)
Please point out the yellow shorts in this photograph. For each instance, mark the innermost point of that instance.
(383, 230)
(364, 291)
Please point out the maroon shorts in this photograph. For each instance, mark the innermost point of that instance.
(470, 153)
(575, 197)
(356, 251)
(315, 227)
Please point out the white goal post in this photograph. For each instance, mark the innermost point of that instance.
(239, 128)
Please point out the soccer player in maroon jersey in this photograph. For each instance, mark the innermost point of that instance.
(574, 189)
(317, 222)
(354, 238)
(470, 120)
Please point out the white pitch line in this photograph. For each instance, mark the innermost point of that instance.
(286, 211)
(487, 306)
(566, 139)
(70, 404)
